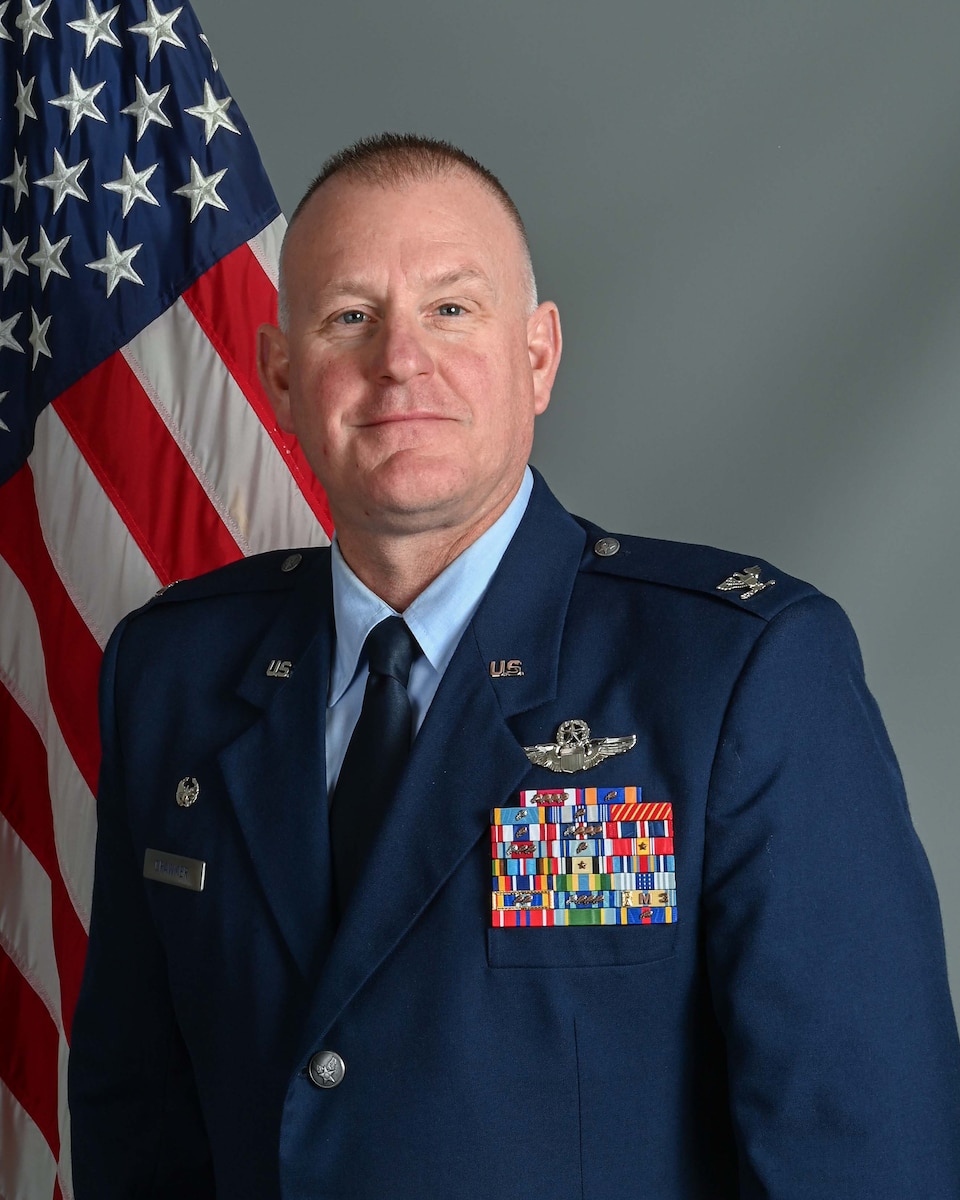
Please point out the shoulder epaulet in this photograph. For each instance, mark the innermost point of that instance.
(747, 582)
(273, 570)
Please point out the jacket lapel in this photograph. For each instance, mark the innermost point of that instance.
(465, 759)
(275, 772)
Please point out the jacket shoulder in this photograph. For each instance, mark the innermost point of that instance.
(743, 581)
(272, 571)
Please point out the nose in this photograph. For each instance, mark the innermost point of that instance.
(400, 351)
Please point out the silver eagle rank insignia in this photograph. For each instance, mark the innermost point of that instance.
(748, 578)
(575, 750)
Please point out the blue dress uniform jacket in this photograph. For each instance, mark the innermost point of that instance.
(789, 1037)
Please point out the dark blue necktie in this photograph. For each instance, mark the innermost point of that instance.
(376, 754)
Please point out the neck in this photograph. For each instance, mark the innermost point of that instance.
(398, 567)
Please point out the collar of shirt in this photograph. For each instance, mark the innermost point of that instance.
(437, 619)
(438, 616)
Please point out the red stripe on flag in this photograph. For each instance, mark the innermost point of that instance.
(229, 301)
(29, 1045)
(129, 449)
(70, 946)
(72, 657)
(25, 803)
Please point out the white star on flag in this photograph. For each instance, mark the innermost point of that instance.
(115, 264)
(63, 181)
(11, 258)
(146, 108)
(38, 336)
(213, 112)
(132, 185)
(79, 101)
(157, 28)
(31, 21)
(201, 190)
(47, 258)
(3, 395)
(7, 340)
(17, 179)
(23, 103)
(95, 27)
(4, 35)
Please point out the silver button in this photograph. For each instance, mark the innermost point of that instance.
(326, 1069)
(291, 562)
(606, 546)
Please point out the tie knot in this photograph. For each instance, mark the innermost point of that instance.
(391, 648)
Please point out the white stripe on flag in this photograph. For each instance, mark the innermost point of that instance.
(103, 569)
(65, 1169)
(28, 1169)
(22, 670)
(26, 934)
(266, 248)
(162, 364)
(26, 919)
(235, 459)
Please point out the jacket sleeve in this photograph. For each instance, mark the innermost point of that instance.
(824, 944)
(136, 1125)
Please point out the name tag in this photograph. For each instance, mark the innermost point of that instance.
(182, 872)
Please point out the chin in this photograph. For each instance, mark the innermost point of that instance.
(412, 512)
(411, 483)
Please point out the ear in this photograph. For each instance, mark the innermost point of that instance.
(273, 366)
(544, 342)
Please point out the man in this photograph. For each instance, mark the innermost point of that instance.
(642, 914)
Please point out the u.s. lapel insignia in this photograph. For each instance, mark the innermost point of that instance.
(279, 668)
(506, 667)
(748, 578)
(188, 790)
(575, 750)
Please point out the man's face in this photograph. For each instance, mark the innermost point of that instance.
(411, 370)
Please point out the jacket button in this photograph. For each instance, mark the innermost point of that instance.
(606, 547)
(326, 1069)
(291, 562)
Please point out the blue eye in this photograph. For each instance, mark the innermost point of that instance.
(451, 310)
(352, 318)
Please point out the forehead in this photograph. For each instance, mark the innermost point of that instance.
(419, 227)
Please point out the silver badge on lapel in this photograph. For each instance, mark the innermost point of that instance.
(575, 750)
(187, 791)
(279, 668)
(748, 578)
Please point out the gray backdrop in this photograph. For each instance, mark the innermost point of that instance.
(749, 215)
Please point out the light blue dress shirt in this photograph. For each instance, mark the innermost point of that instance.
(437, 619)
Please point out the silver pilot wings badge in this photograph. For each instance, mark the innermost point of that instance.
(575, 750)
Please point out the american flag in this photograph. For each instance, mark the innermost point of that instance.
(139, 252)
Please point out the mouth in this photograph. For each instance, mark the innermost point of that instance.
(399, 418)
